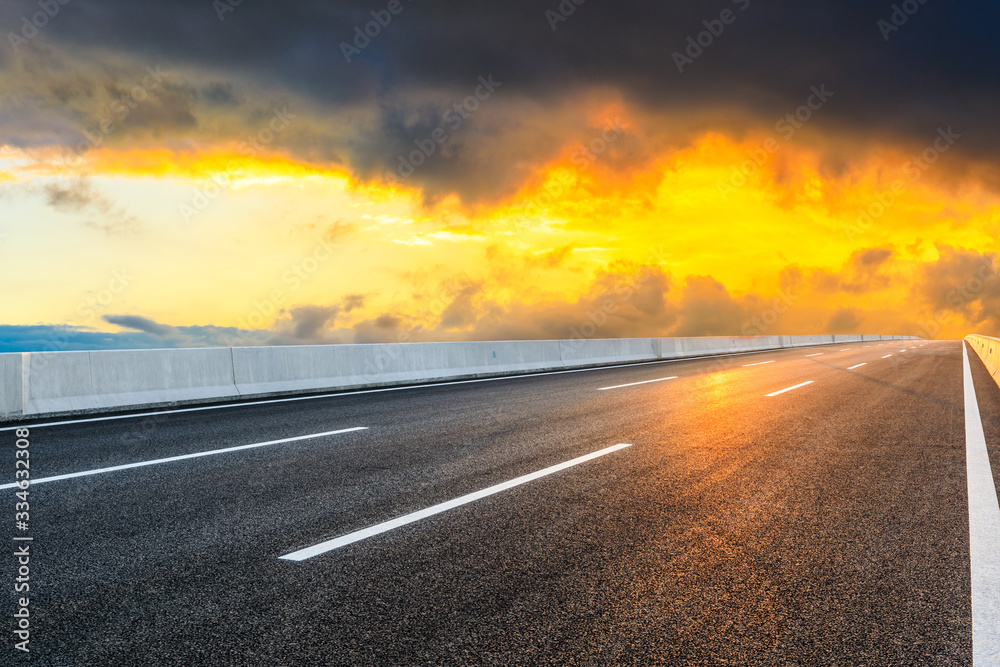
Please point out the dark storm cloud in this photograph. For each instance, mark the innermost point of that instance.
(776, 48)
(937, 69)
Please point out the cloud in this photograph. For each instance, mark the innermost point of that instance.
(845, 320)
(367, 113)
(959, 290)
(624, 300)
(79, 196)
(307, 322)
(313, 324)
(22, 126)
(860, 274)
(150, 333)
(388, 322)
(708, 309)
(338, 230)
(52, 338)
(352, 301)
(139, 323)
(72, 198)
(385, 328)
(462, 311)
(555, 257)
(964, 282)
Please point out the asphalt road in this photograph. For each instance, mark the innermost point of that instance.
(827, 525)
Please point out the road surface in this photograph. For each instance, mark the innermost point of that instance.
(731, 515)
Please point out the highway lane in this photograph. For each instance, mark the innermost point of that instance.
(826, 525)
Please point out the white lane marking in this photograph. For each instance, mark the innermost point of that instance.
(759, 363)
(847, 349)
(633, 384)
(386, 526)
(858, 366)
(984, 531)
(818, 354)
(183, 457)
(887, 356)
(341, 394)
(798, 386)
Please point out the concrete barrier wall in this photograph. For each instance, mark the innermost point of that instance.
(10, 384)
(56, 382)
(582, 353)
(988, 350)
(60, 383)
(673, 348)
(269, 370)
(806, 341)
(67, 382)
(144, 377)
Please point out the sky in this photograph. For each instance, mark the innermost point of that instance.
(200, 173)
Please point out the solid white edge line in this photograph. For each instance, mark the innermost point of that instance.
(386, 526)
(348, 392)
(183, 457)
(858, 366)
(783, 391)
(984, 531)
(759, 363)
(633, 384)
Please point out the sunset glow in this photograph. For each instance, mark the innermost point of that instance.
(510, 220)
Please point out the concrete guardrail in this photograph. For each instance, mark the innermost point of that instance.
(988, 350)
(37, 384)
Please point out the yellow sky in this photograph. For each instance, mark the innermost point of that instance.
(211, 236)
